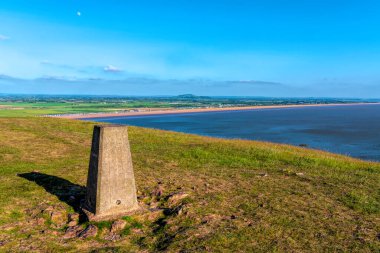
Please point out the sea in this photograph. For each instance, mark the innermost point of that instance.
(352, 130)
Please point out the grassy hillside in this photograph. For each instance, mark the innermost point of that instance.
(204, 194)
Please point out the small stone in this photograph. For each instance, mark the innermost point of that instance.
(90, 231)
(72, 223)
(158, 191)
(53, 232)
(40, 221)
(263, 174)
(73, 217)
(48, 210)
(58, 217)
(210, 218)
(299, 174)
(137, 231)
(118, 226)
(154, 214)
(177, 197)
(112, 237)
(72, 232)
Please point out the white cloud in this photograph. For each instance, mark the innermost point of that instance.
(79, 13)
(3, 37)
(111, 68)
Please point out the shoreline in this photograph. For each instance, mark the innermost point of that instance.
(155, 111)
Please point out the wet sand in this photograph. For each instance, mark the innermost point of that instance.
(155, 111)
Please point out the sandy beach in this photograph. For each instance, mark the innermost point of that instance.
(155, 111)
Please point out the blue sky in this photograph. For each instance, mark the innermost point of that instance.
(250, 48)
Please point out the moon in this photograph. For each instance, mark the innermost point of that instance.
(79, 13)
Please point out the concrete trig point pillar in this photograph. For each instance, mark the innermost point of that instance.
(111, 190)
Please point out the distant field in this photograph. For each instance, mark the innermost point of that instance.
(32, 105)
(10, 109)
(245, 195)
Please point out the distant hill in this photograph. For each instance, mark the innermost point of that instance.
(191, 96)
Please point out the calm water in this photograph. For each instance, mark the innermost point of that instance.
(351, 130)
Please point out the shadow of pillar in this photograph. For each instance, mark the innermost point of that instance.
(66, 191)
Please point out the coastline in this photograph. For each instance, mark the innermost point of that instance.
(155, 111)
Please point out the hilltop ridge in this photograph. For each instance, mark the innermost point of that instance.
(204, 194)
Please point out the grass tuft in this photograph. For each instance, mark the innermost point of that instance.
(361, 202)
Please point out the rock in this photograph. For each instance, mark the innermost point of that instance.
(72, 223)
(58, 217)
(137, 231)
(154, 214)
(299, 174)
(90, 231)
(40, 221)
(112, 237)
(118, 226)
(72, 232)
(48, 210)
(158, 191)
(210, 218)
(263, 174)
(53, 232)
(176, 198)
(73, 217)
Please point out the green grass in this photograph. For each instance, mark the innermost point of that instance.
(22, 109)
(243, 195)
